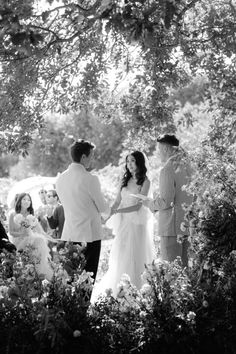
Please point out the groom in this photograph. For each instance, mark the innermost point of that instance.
(174, 174)
(80, 194)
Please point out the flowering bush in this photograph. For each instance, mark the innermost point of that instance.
(213, 214)
(174, 311)
(42, 315)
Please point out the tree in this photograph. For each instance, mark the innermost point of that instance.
(49, 153)
(56, 58)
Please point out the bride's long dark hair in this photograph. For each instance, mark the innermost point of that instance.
(141, 169)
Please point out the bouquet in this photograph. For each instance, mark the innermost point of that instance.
(30, 221)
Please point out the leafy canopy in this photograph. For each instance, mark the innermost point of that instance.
(56, 55)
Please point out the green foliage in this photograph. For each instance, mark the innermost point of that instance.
(6, 161)
(52, 309)
(59, 57)
(213, 212)
(174, 310)
(49, 154)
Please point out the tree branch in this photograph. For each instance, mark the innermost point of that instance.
(46, 30)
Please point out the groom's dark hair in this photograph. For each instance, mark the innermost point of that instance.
(168, 139)
(79, 148)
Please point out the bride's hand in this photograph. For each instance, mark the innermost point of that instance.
(113, 211)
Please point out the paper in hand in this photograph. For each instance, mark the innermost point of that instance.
(141, 196)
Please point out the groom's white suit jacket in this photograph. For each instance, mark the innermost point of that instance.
(80, 194)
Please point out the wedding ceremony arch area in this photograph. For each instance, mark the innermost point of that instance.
(120, 74)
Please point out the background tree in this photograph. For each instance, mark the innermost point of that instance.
(49, 153)
(56, 58)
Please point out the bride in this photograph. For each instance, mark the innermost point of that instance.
(25, 230)
(132, 225)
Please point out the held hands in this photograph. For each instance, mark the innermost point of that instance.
(112, 212)
(149, 204)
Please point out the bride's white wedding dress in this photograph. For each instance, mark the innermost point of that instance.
(133, 245)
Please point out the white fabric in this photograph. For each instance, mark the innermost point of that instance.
(133, 246)
(39, 240)
(31, 185)
(80, 194)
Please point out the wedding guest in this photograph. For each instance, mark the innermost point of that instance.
(6, 245)
(80, 194)
(4, 241)
(56, 219)
(42, 196)
(52, 202)
(132, 225)
(174, 174)
(25, 230)
(41, 211)
(52, 198)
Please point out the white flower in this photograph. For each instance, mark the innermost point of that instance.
(206, 266)
(180, 238)
(18, 219)
(32, 220)
(125, 278)
(45, 283)
(157, 262)
(190, 262)
(146, 289)
(121, 292)
(191, 315)
(142, 314)
(183, 227)
(3, 291)
(200, 214)
(221, 273)
(76, 333)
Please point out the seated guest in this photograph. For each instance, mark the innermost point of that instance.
(26, 231)
(52, 198)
